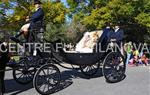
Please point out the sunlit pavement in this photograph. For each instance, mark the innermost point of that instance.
(137, 82)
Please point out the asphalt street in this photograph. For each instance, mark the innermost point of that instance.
(137, 82)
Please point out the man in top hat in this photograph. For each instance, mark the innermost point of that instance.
(37, 16)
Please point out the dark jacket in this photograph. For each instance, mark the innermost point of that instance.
(118, 35)
(37, 16)
(104, 36)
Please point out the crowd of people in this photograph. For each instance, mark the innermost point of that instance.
(136, 57)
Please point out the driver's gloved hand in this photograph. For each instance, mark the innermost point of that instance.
(15, 39)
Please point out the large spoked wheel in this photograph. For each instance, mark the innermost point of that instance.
(47, 79)
(114, 67)
(90, 70)
(23, 74)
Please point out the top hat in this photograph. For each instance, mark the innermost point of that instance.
(37, 2)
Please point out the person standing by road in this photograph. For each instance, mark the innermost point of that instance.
(128, 48)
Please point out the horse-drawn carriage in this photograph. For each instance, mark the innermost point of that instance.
(46, 76)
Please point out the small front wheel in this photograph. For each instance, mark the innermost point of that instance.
(47, 79)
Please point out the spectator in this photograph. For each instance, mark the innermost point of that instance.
(144, 59)
(128, 48)
(136, 57)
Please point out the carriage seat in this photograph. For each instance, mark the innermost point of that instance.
(36, 31)
(91, 44)
(88, 46)
(38, 27)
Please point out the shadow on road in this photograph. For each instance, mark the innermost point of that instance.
(68, 75)
(15, 88)
(73, 74)
(66, 80)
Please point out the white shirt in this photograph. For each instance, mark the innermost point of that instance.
(37, 9)
(116, 29)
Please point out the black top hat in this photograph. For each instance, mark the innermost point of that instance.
(37, 2)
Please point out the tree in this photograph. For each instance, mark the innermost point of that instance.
(90, 14)
(133, 14)
(54, 12)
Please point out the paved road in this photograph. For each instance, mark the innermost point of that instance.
(137, 82)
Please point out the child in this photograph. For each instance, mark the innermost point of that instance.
(144, 60)
(136, 57)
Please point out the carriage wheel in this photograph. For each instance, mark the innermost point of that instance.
(23, 74)
(114, 67)
(47, 79)
(90, 70)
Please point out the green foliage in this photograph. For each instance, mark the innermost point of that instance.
(54, 12)
(74, 32)
(98, 18)
(143, 19)
(54, 32)
(70, 33)
(84, 15)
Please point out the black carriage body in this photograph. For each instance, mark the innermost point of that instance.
(113, 67)
(82, 58)
(78, 58)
